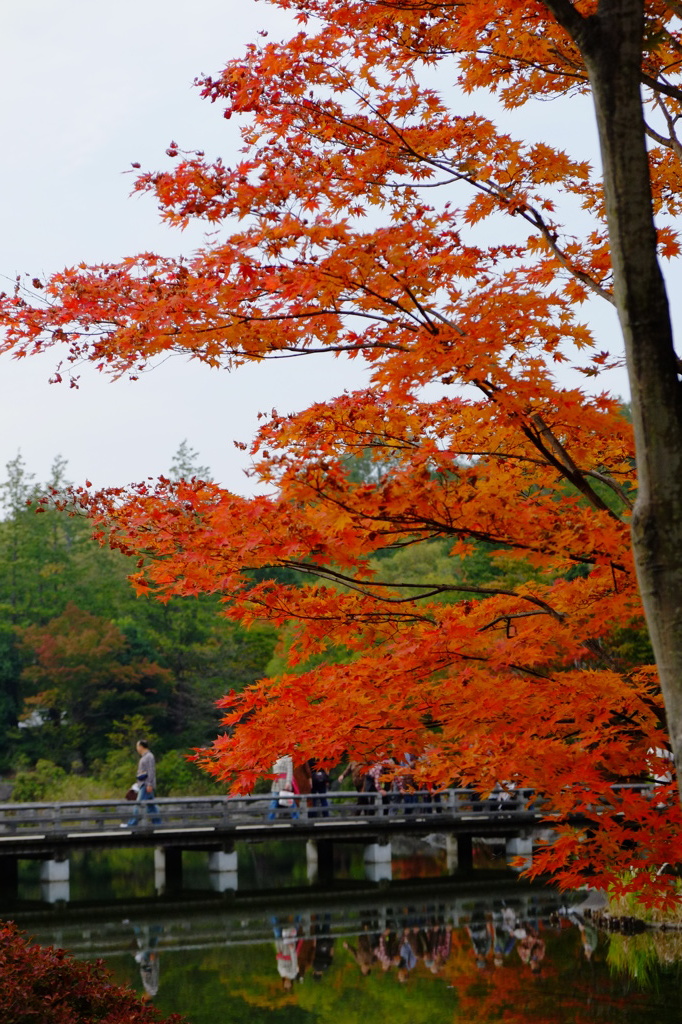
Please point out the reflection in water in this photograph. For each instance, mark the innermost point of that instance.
(514, 955)
(147, 956)
(287, 945)
(299, 951)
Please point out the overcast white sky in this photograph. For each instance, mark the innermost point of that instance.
(87, 89)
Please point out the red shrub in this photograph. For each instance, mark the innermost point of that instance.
(48, 986)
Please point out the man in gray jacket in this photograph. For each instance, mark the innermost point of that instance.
(146, 779)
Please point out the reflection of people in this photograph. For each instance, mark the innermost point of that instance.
(504, 933)
(323, 956)
(386, 950)
(480, 931)
(305, 952)
(531, 950)
(439, 947)
(147, 937)
(286, 954)
(589, 936)
(407, 954)
(368, 939)
(146, 776)
(363, 954)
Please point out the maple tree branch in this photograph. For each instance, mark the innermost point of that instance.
(555, 454)
(534, 217)
(512, 457)
(550, 72)
(422, 309)
(565, 463)
(672, 142)
(365, 617)
(514, 666)
(662, 87)
(657, 137)
(438, 528)
(289, 352)
(393, 303)
(430, 589)
(567, 16)
(526, 210)
(311, 314)
(448, 323)
(610, 482)
(508, 620)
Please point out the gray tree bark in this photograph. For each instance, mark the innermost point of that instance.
(611, 42)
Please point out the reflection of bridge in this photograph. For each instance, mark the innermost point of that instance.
(172, 943)
(182, 928)
(49, 832)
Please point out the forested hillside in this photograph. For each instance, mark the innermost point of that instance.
(86, 666)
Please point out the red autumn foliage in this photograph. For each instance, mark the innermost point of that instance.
(47, 985)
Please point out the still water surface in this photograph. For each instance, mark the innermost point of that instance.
(428, 952)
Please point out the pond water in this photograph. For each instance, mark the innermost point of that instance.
(430, 950)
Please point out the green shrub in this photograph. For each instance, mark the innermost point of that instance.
(176, 776)
(38, 784)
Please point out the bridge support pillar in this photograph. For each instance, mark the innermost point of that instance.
(378, 866)
(54, 880)
(520, 847)
(319, 855)
(465, 853)
(325, 861)
(167, 869)
(311, 860)
(9, 877)
(451, 854)
(222, 867)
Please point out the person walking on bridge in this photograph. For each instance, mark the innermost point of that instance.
(282, 787)
(146, 778)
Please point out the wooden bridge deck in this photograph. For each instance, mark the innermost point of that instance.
(51, 829)
(40, 829)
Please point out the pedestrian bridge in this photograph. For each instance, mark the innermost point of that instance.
(51, 829)
(49, 832)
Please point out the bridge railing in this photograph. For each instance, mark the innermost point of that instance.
(225, 812)
(195, 813)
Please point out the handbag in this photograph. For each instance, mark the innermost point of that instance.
(286, 798)
(133, 791)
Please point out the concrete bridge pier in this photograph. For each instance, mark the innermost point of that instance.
(311, 860)
(319, 855)
(451, 854)
(54, 880)
(519, 850)
(465, 853)
(222, 868)
(167, 869)
(9, 877)
(458, 853)
(378, 866)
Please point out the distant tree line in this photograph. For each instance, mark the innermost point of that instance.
(85, 664)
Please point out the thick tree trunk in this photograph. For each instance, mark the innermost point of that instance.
(611, 43)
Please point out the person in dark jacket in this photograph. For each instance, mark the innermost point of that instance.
(320, 785)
